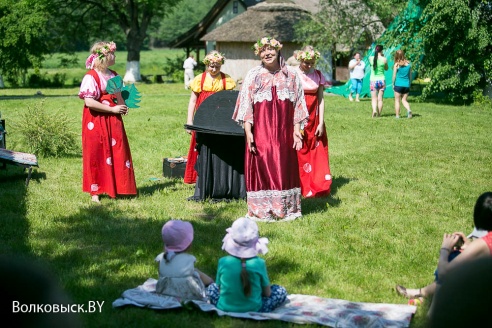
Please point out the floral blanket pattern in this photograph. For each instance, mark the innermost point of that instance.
(300, 309)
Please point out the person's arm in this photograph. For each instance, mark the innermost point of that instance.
(395, 68)
(385, 64)
(102, 108)
(297, 137)
(249, 137)
(474, 250)
(191, 109)
(320, 128)
(301, 113)
(267, 291)
(352, 64)
(205, 279)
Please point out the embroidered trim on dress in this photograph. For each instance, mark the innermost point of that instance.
(274, 205)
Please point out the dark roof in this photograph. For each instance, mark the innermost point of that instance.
(270, 18)
(191, 39)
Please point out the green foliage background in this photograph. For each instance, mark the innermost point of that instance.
(453, 41)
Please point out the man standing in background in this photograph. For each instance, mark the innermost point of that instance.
(188, 65)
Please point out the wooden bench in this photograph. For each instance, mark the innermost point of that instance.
(25, 160)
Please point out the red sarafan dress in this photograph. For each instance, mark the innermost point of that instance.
(106, 157)
(204, 85)
(313, 158)
(273, 103)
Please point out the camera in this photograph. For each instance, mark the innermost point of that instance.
(459, 243)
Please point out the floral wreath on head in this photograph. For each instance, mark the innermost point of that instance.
(308, 55)
(102, 52)
(266, 42)
(214, 57)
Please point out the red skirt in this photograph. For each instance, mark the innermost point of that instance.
(314, 165)
(190, 172)
(106, 156)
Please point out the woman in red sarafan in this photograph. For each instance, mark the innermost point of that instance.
(313, 158)
(107, 161)
(202, 86)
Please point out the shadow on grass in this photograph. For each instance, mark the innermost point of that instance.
(106, 252)
(14, 228)
(159, 184)
(14, 174)
(318, 204)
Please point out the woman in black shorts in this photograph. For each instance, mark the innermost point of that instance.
(402, 72)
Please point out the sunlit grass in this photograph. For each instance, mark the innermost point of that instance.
(398, 186)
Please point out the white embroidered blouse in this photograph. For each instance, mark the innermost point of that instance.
(257, 87)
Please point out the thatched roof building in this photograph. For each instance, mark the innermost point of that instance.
(221, 12)
(236, 37)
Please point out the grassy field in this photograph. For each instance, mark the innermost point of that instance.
(152, 63)
(398, 185)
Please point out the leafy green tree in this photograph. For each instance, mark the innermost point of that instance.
(457, 45)
(24, 39)
(102, 18)
(453, 40)
(182, 18)
(346, 23)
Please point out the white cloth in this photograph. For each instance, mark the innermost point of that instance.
(358, 71)
(178, 278)
(476, 233)
(299, 309)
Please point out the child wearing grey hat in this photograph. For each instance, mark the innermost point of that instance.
(178, 276)
(242, 279)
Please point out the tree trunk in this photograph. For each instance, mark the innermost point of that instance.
(133, 43)
(132, 74)
(488, 90)
(2, 85)
(334, 61)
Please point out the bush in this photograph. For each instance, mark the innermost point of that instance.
(46, 133)
(173, 69)
(38, 80)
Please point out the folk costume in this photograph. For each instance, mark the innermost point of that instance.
(314, 167)
(272, 102)
(106, 156)
(203, 85)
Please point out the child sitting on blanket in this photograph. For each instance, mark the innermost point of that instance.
(178, 276)
(242, 283)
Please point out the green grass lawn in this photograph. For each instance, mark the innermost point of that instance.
(398, 186)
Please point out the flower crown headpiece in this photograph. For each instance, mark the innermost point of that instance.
(308, 55)
(214, 57)
(100, 54)
(266, 42)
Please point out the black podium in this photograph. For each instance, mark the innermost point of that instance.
(221, 146)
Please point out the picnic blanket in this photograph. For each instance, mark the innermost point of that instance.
(300, 309)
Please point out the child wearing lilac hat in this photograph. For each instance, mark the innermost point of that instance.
(242, 279)
(178, 276)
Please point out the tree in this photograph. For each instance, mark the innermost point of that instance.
(24, 39)
(453, 39)
(343, 25)
(183, 17)
(101, 17)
